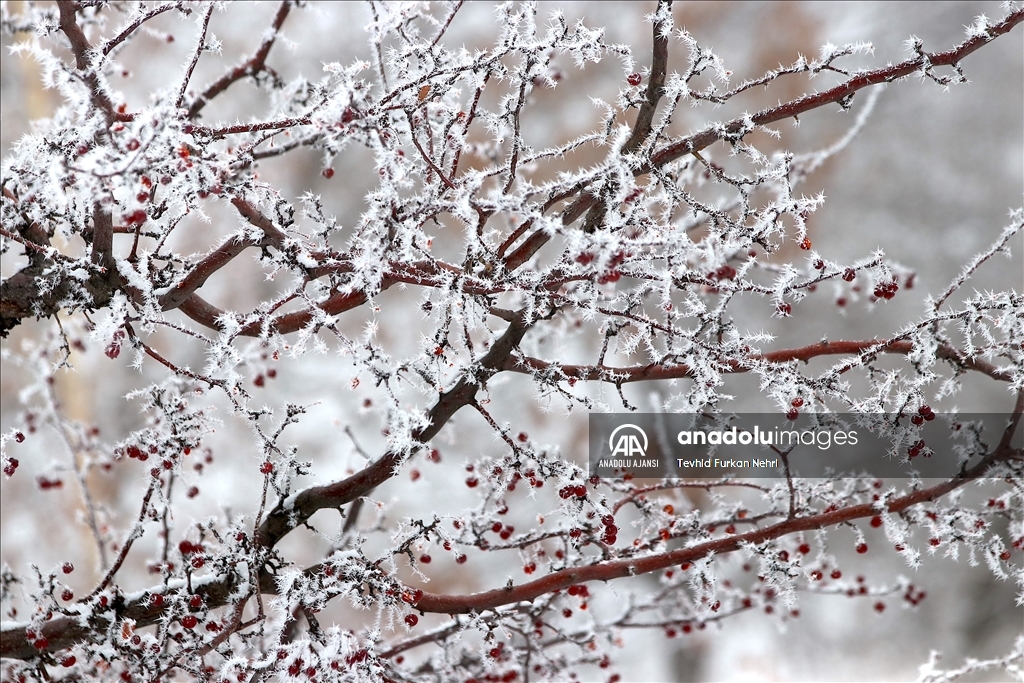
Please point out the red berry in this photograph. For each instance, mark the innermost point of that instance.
(267, 467)
(879, 607)
(934, 541)
(425, 559)
(797, 402)
(67, 568)
(784, 309)
(805, 244)
(411, 620)
(804, 548)
(189, 621)
(10, 466)
(862, 548)
(819, 265)
(876, 521)
(192, 492)
(156, 600)
(460, 559)
(1005, 555)
(849, 274)
(67, 595)
(137, 217)
(634, 79)
(68, 661)
(792, 414)
(327, 173)
(471, 482)
(19, 437)
(195, 602)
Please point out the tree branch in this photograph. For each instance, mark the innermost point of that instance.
(655, 371)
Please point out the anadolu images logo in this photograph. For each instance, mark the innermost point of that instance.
(629, 444)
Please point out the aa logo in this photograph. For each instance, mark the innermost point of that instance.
(628, 441)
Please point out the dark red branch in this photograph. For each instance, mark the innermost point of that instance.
(616, 569)
(250, 67)
(655, 371)
(737, 127)
(296, 510)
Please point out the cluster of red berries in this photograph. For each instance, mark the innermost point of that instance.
(133, 218)
(504, 531)
(924, 414)
(916, 449)
(578, 490)
(611, 531)
(10, 466)
(187, 547)
(886, 290)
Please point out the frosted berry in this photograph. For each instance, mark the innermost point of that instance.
(67, 568)
(634, 79)
(189, 621)
(849, 274)
(411, 620)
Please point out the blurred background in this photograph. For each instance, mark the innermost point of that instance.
(930, 179)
